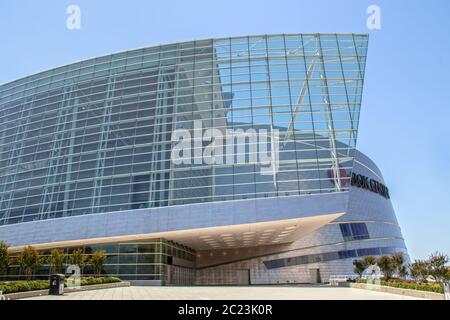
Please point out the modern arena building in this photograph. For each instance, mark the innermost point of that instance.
(87, 161)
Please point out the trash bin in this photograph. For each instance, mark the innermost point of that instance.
(56, 284)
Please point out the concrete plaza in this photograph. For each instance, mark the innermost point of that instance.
(303, 292)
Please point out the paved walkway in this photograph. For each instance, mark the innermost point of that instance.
(228, 293)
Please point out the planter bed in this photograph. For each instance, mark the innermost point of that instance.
(25, 289)
(406, 292)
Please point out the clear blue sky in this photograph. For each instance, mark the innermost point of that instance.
(405, 119)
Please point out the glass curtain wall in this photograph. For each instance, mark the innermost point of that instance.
(150, 260)
(95, 136)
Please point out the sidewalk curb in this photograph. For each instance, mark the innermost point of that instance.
(38, 293)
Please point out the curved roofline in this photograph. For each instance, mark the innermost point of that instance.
(370, 164)
(184, 41)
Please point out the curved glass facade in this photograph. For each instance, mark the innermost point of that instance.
(96, 136)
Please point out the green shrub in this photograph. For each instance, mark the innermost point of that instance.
(22, 286)
(430, 287)
(98, 280)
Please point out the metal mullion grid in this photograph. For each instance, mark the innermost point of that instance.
(99, 101)
(9, 159)
(63, 101)
(54, 160)
(78, 67)
(155, 144)
(174, 125)
(310, 108)
(93, 152)
(270, 110)
(228, 61)
(11, 178)
(336, 171)
(361, 76)
(164, 122)
(233, 166)
(70, 155)
(158, 123)
(63, 85)
(192, 167)
(245, 183)
(32, 138)
(272, 114)
(213, 119)
(251, 111)
(103, 143)
(89, 179)
(292, 114)
(352, 133)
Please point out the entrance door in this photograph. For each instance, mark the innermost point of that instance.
(315, 275)
(243, 277)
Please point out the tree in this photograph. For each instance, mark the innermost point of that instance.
(419, 270)
(437, 262)
(56, 261)
(359, 267)
(398, 260)
(369, 261)
(29, 261)
(387, 266)
(4, 258)
(403, 271)
(98, 259)
(78, 258)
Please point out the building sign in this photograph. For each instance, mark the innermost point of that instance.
(360, 181)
